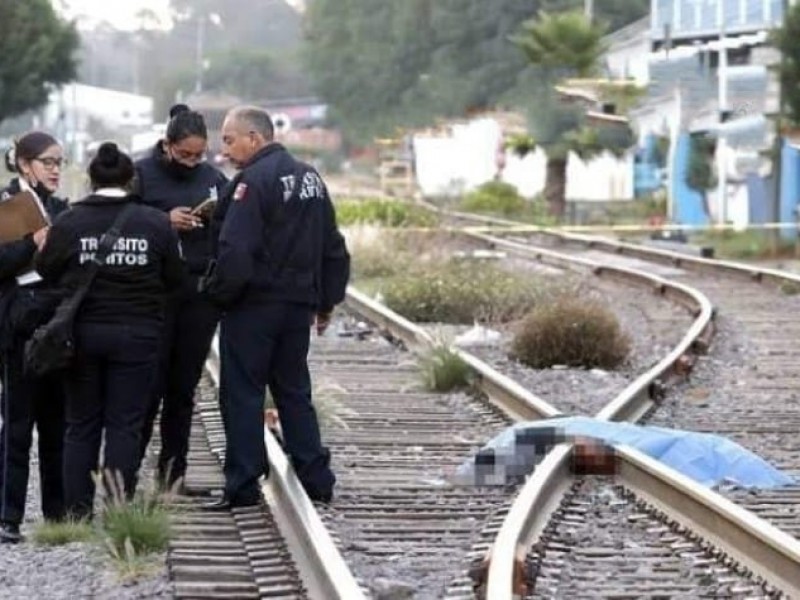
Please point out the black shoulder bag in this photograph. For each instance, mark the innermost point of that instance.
(52, 345)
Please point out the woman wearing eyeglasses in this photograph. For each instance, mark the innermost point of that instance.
(25, 303)
(177, 180)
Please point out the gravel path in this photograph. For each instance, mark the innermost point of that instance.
(79, 570)
(600, 530)
(654, 324)
(402, 527)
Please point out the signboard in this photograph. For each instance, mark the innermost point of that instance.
(700, 18)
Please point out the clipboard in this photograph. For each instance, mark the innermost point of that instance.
(20, 215)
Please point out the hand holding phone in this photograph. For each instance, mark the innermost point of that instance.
(205, 208)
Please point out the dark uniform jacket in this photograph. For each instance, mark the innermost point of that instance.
(165, 186)
(22, 309)
(279, 241)
(145, 264)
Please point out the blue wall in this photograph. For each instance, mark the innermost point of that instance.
(760, 194)
(687, 206)
(790, 187)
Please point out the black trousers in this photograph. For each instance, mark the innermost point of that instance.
(188, 330)
(267, 345)
(108, 390)
(25, 402)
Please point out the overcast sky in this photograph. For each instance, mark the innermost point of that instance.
(120, 14)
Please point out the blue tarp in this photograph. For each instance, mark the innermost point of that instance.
(706, 458)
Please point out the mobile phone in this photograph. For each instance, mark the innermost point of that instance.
(205, 208)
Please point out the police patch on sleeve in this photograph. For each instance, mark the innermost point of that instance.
(240, 191)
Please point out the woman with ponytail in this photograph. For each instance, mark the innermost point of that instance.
(25, 303)
(118, 327)
(176, 179)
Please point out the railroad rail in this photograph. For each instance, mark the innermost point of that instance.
(525, 405)
(724, 280)
(505, 544)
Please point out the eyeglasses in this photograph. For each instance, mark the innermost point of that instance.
(51, 163)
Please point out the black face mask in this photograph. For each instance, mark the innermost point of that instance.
(42, 191)
(179, 170)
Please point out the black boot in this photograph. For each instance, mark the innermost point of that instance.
(9, 533)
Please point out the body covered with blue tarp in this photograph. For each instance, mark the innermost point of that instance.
(706, 458)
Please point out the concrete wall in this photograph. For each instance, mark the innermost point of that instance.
(466, 156)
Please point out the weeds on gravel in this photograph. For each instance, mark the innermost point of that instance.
(570, 331)
(503, 200)
(743, 245)
(388, 213)
(790, 288)
(443, 370)
(131, 565)
(134, 528)
(380, 253)
(461, 293)
(495, 197)
(375, 254)
(51, 533)
(132, 533)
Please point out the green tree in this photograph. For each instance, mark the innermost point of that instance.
(562, 45)
(382, 65)
(255, 74)
(37, 53)
(700, 175)
(786, 39)
(562, 42)
(388, 64)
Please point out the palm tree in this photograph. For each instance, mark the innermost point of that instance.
(568, 121)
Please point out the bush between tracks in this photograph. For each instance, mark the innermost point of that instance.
(388, 213)
(379, 253)
(494, 197)
(443, 370)
(374, 253)
(460, 293)
(570, 331)
(503, 200)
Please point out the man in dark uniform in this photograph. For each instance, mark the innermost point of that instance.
(282, 264)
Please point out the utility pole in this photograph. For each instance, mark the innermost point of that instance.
(588, 9)
(722, 89)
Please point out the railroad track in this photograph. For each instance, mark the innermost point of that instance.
(402, 512)
(213, 555)
(763, 377)
(412, 515)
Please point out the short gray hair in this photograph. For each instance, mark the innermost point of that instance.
(257, 119)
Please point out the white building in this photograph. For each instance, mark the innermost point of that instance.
(76, 111)
(628, 50)
(461, 157)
